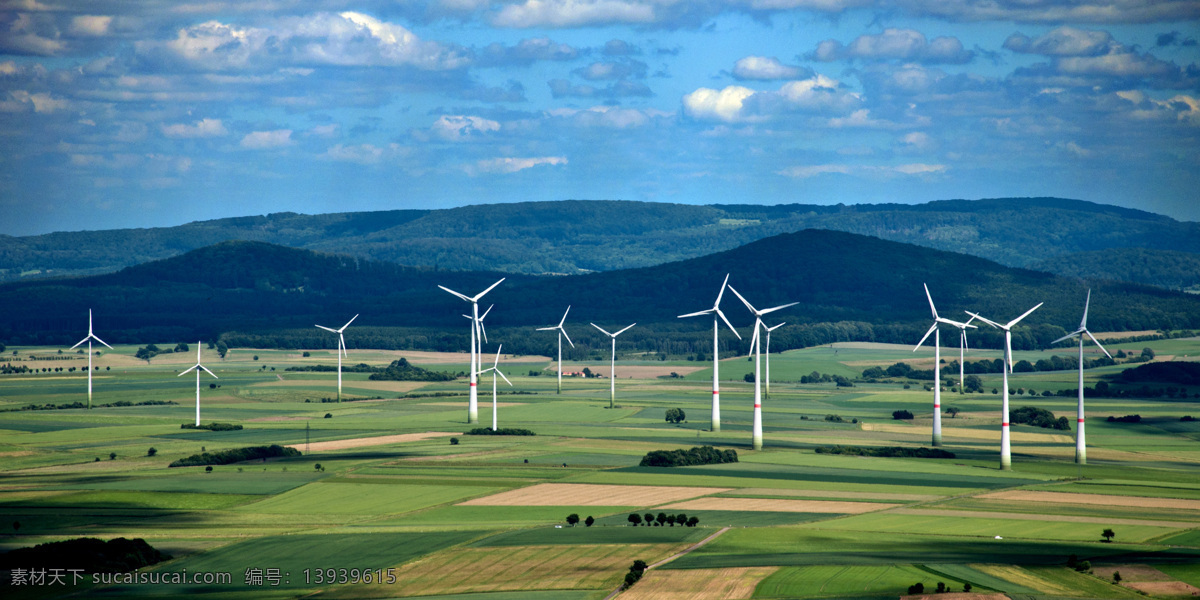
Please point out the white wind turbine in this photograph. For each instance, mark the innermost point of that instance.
(482, 334)
(1005, 446)
(1080, 442)
(197, 367)
(962, 352)
(937, 362)
(561, 333)
(612, 370)
(768, 359)
(473, 404)
(716, 390)
(495, 369)
(756, 442)
(90, 336)
(341, 350)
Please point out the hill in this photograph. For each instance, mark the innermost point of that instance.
(850, 287)
(1164, 268)
(570, 237)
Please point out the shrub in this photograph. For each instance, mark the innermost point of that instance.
(118, 555)
(401, 370)
(152, 451)
(886, 451)
(453, 441)
(225, 457)
(834, 419)
(212, 426)
(1083, 566)
(1125, 419)
(701, 455)
(500, 431)
(328, 415)
(901, 415)
(1039, 417)
(589, 521)
(916, 588)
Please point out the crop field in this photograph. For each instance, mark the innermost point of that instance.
(389, 481)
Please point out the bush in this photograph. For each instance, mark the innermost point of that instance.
(886, 451)
(328, 415)
(916, 588)
(212, 426)
(118, 555)
(1084, 566)
(453, 441)
(1126, 419)
(401, 370)
(500, 431)
(225, 457)
(1039, 417)
(901, 415)
(589, 521)
(675, 415)
(152, 451)
(834, 419)
(701, 455)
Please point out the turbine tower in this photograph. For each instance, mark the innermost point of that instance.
(482, 333)
(197, 367)
(561, 333)
(495, 369)
(1080, 442)
(716, 313)
(937, 363)
(473, 405)
(768, 359)
(1005, 446)
(90, 336)
(962, 350)
(341, 350)
(756, 440)
(612, 370)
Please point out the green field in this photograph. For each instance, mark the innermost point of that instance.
(823, 526)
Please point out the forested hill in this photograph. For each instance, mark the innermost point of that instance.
(569, 237)
(870, 286)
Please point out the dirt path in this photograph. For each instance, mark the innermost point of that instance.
(673, 557)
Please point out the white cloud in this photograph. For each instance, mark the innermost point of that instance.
(873, 171)
(512, 165)
(203, 128)
(260, 140)
(765, 68)
(895, 44)
(458, 128)
(1064, 41)
(42, 102)
(573, 13)
(610, 117)
(1056, 11)
(8, 67)
(363, 154)
(91, 25)
(722, 105)
(324, 131)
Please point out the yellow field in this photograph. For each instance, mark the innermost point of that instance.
(835, 494)
(1020, 576)
(584, 494)
(372, 441)
(699, 584)
(771, 505)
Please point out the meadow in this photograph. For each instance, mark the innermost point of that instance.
(390, 484)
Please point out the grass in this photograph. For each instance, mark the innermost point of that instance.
(848, 581)
(362, 498)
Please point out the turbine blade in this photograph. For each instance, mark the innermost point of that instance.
(564, 332)
(485, 313)
(483, 330)
(931, 307)
(968, 323)
(624, 330)
(327, 329)
(950, 322)
(696, 314)
(501, 374)
(348, 323)
(964, 340)
(1018, 319)
(564, 319)
(342, 343)
(1097, 342)
(754, 338)
(1008, 349)
(539, 328)
(476, 298)
(455, 293)
(727, 323)
(80, 342)
(198, 352)
(602, 329)
(722, 292)
(1066, 337)
(773, 309)
(1086, 304)
(769, 329)
(927, 334)
(209, 372)
(89, 321)
(748, 305)
(988, 321)
(101, 341)
(497, 361)
(189, 370)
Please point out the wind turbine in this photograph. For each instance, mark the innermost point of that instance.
(937, 362)
(341, 351)
(482, 331)
(495, 369)
(1005, 447)
(962, 349)
(716, 313)
(196, 367)
(473, 405)
(612, 370)
(90, 336)
(561, 333)
(1080, 442)
(754, 349)
(768, 359)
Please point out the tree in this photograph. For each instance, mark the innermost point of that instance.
(255, 357)
(649, 519)
(675, 415)
(661, 518)
(16, 524)
(916, 588)
(1108, 535)
(572, 519)
(671, 520)
(967, 587)
(222, 349)
(152, 451)
(181, 347)
(952, 411)
(587, 373)
(1116, 577)
(941, 587)
(208, 469)
(1148, 353)
(749, 378)
(693, 521)
(901, 415)
(635, 519)
(453, 441)
(589, 521)
(112, 456)
(681, 519)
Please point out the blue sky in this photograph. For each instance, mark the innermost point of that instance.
(152, 112)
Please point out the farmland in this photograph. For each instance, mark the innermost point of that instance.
(381, 486)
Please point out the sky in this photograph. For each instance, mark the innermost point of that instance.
(145, 113)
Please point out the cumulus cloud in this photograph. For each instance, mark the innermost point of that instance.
(764, 68)
(719, 105)
(617, 47)
(573, 13)
(817, 94)
(504, 166)
(343, 39)
(873, 171)
(91, 25)
(610, 117)
(201, 129)
(457, 128)
(1056, 11)
(41, 102)
(895, 44)
(561, 88)
(526, 52)
(612, 70)
(1064, 41)
(30, 34)
(262, 140)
